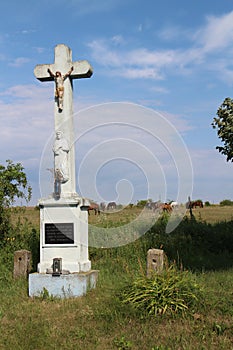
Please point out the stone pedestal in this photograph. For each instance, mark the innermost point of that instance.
(64, 234)
(64, 238)
(64, 286)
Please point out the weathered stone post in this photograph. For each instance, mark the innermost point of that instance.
(155, 261)
(22, 263)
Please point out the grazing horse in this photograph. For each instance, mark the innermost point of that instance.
(152, 205)
(197, 204)
(166, 207)
(95, 207)
(111, 205)
(102, 206)
(174, 204)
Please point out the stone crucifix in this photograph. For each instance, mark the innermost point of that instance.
(62, 72)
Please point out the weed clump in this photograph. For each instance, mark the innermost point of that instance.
(171, 292)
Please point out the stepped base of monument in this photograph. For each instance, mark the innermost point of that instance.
(62, 286)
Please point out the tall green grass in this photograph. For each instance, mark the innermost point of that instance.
(195, 245)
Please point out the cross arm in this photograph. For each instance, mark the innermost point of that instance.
(41, 72)
(81, 69)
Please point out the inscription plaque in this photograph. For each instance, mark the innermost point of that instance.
(60, 233)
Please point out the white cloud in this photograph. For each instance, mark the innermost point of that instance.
(141, 63)
(18, 62)
(160, 89)
(40, 49)
(173, 32)
(103, 54)
(134, 73)
(155, 58)
(23, 91)
(25, 118)
(216, 34)
(117, 40)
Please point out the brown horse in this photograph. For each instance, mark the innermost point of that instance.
(95, 207)
(166, 207)
(197, 204)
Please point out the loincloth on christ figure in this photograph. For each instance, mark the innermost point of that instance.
(59, 91)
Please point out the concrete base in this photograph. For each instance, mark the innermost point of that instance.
(63, 286)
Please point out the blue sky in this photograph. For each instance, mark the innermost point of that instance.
(171, 57)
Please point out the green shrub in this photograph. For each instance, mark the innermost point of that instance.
(170, 292)
(226, 202)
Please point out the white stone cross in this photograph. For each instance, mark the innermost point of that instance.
(64, 117)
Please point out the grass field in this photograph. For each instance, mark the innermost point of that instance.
(210, 214)
(101, 321)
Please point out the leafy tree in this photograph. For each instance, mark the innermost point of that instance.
(224, 124)
(13, 185)
(226, 202)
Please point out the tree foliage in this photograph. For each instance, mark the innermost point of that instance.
(226, 202)
(224, 125)
(13, 184)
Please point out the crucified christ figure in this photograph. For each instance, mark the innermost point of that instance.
(59, 85)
